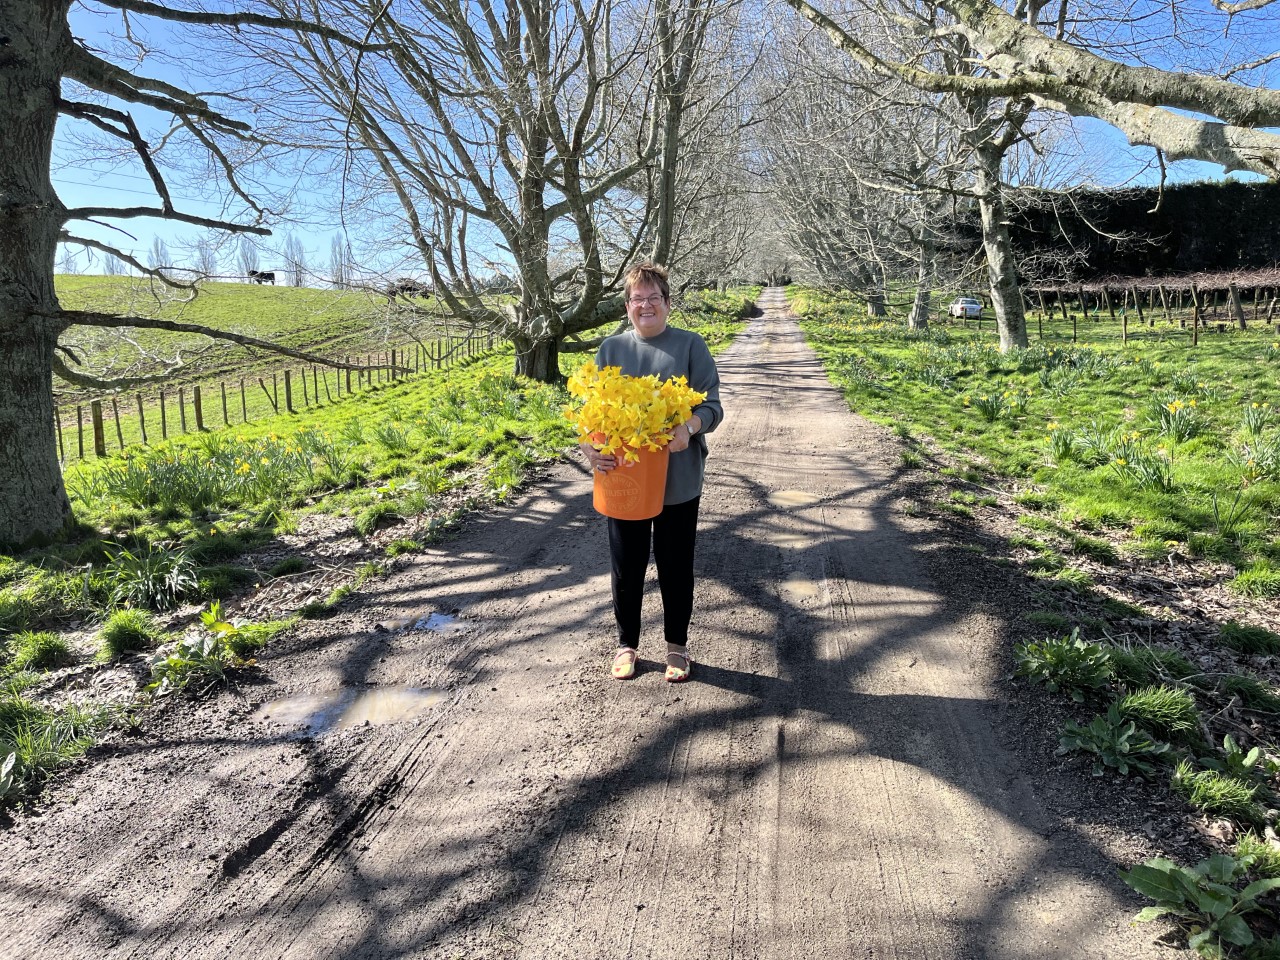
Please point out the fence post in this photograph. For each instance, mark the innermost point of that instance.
(80, 430)
(306, 401)
(315, 384)
(164, 418)
(57, 422)
(348, 372)
(244, 404)
(182, 408)
(288, 391)
(142, 418)
(198, 407)
(327, 395)
(115, 412)
(226, 421)
(99, 435)
(275, 392)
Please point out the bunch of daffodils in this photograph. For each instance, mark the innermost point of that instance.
(621, 414)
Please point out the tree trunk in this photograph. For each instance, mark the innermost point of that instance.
(875, 304)
(919, 318)
(538, 359)
(1236, 308)
(33, 502)
(1006, 300)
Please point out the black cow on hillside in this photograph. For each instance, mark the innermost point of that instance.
(262, 276)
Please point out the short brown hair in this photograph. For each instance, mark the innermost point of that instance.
(647, 272)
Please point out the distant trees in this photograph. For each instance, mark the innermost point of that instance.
(159, 256)
(341, 263)
(204, 257)
(295, 261)
(1000, 66)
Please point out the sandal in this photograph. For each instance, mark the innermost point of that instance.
(624, 663)
(676, 673)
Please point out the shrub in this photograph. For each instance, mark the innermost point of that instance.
(1067, 663)
(1249, 639)
(1166, 711)
(288, 566)
(378, 515)
(34, 740)
(1217, 793)
(127, 630)
(38, 651)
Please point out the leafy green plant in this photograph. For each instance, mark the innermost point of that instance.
(1256, 418)
(1166, 711)
(127, 630)
(241, 638)
(1177, 419)
(1114, 742)
(1249, 639)
(1253, 693)
(375, 516)
(1240, 763)
(157, 578)
(43, 650)
(1065, 663)
(1205, 898)
(35, 740)
(1217, 793)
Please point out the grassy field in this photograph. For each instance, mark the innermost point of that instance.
(329, 322)
(164, 528)
(1176, 446)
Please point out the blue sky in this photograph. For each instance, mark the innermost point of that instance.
(90, 177)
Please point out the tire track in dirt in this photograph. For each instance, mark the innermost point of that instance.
(832, 782)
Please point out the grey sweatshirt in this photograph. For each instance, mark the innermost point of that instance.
(673, 353)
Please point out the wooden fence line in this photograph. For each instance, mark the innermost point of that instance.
(388, 367)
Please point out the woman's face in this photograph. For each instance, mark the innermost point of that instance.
(648, 310)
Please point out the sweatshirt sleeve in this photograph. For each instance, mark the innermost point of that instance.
(705, 378)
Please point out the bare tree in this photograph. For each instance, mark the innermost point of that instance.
(204, 257)
(341, 265)
(159, 257)
(49, 74)
(247, 258)
(67, 260)
(509, 142)
(295, 259)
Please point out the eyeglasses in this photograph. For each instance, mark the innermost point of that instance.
(646, 301)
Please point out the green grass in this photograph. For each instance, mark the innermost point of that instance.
(1087, 424)
(1249, 639)
(1138, 667)
(41, 740)
(37, 650)
(1168, 712)
(126, 631)
(1266, 858)
(1218, 794)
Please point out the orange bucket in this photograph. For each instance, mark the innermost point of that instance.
(633, 491)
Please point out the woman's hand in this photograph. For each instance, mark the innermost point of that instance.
(680, 435)
(598, 461)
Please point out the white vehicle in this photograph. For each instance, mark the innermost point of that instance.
(965, 307)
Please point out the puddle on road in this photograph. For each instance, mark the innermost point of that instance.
(431, 623)
(799, 587)
(792, 498)
(335, 710)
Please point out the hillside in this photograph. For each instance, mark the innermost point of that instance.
(329, 322)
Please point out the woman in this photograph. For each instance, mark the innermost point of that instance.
(651, 347)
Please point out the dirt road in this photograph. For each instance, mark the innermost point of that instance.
(833, 783)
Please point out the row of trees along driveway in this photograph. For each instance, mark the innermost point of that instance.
(555, 141)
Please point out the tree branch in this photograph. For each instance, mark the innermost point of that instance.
(126, 213)
(90, 318)
(159, 274)
(241, 19)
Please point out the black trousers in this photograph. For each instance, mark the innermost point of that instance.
(673, 532)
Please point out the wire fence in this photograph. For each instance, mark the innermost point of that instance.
(105, 425)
